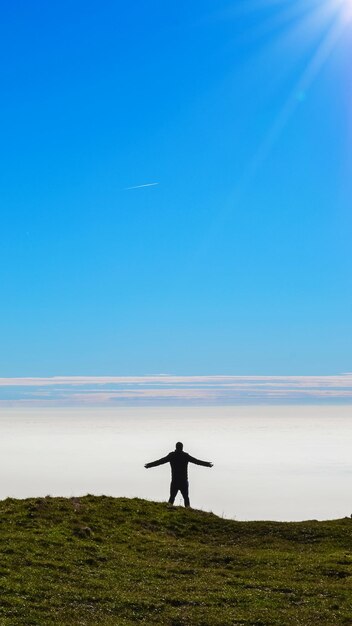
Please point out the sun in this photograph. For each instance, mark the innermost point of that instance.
(345, 9)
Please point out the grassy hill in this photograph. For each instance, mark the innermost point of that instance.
(99, 560)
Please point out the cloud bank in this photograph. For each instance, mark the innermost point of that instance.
(167, 389)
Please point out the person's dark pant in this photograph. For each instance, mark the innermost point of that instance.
(179, 486)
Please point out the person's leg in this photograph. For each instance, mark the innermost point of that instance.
(173, 492)
(184, 491)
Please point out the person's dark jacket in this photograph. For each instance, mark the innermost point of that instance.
(179, 464)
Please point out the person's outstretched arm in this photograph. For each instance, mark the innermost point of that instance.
(165, 459)
(198, 462)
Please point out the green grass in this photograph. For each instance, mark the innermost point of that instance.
(99, 560)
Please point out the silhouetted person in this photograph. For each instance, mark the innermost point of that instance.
(179, 471)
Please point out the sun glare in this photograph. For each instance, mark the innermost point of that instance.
(345, 9)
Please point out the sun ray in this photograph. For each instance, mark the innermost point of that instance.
(336, 16)
(320, 57)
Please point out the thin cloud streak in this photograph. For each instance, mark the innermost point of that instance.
(338, 380)
(141, 186)
(111, 390)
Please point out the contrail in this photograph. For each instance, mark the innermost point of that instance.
(140, 186)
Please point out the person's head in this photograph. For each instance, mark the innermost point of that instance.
(179, 446)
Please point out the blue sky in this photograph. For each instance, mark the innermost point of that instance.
(239, 261)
